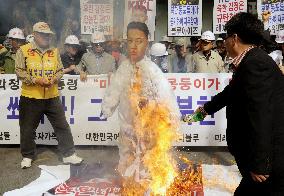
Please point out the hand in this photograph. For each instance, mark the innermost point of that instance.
(201, 109)
(53, 81)
(83, 76)
(72, 67)
(69, 69)
(42, 82)
(258, 178)
(265, 15)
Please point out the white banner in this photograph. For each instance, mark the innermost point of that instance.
(96, 15)
(224, 10)
(140, 11)
(276, 20)
(184, 17)
(82, 103)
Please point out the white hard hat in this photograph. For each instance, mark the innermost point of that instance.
(280, 37)
(72, 40)
(208, 36)
(158, 49)
(167, 39)
(30, 38)
(16, 33)
(98, 37)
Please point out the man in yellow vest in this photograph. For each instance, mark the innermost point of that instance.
(39, 67)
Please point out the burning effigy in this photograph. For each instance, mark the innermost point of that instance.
(149, 119)
(156, 130)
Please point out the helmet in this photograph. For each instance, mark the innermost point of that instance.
(280, 37)
(72, 40)
(98, 37)
(30, 38)
(158, 49)
(16, 33)
(208, 36)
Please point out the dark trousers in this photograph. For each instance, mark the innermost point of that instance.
(248, 187)
(31, 111)
(273, 186)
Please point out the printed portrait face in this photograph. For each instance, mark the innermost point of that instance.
(137, 43)
(139, 15)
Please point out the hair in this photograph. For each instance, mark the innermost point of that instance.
(140, 26)
(248, 28)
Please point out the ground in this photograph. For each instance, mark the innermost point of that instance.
(13, 177)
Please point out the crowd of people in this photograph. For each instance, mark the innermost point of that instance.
(204, 54)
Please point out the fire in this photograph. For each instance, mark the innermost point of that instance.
(156, 129)
(188, 182)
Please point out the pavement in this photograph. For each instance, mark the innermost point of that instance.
(13, 177)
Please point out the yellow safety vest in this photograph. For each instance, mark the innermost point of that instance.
(40, 65)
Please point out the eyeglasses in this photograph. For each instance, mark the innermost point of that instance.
(137, 41)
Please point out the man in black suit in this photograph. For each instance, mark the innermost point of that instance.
(255, 109)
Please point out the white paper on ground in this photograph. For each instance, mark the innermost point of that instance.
(220, 180)
(50, 177)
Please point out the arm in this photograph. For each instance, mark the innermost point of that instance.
(21, 70)
(112, 95)
(59, 70)
(81, 68)
(218, 101)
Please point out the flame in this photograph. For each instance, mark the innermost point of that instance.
(155, 129)
(188, 181)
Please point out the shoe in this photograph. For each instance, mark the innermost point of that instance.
(26, 163)
(73, 159)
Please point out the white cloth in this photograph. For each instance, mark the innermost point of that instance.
(155, 87)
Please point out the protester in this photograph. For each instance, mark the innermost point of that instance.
(17, 39)
(70, 58)
(39, 67)
(207, 60)
(96, 61)
(254, 101)
(159, 56)
(180, 61)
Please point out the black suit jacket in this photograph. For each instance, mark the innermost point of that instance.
(254, 98)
